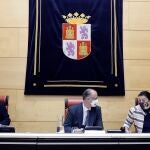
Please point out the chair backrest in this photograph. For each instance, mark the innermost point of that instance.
(4, 99)
(70, 102)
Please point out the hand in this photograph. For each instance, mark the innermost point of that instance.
(127, 130)
(77, 130)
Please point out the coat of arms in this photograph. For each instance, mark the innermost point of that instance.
(76, 36)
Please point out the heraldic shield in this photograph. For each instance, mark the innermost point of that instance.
(76, 40)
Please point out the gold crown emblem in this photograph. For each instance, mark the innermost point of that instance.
(76, 18)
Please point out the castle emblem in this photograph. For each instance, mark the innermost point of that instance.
(76, 36)
(70, 32)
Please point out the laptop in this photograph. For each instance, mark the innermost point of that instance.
(93, 128)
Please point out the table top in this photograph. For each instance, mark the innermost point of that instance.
(73, 135)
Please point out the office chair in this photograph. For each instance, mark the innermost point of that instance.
(6, 129)
(70, 102)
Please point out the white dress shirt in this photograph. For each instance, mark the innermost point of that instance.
(85, 109)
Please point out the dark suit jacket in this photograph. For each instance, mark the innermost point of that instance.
(4, 117)
(74, 117)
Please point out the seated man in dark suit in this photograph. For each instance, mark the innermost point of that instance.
(84, 114)
(4, 116)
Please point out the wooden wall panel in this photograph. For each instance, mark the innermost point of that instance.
(8, 42)
(14, 13)
(39, 108)
(125, 15)
(139, 15)
(23, 42)
(13, 42)
(35, 127)
(137, 74)
(12, 73)
(136, 44)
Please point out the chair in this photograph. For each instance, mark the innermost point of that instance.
(70, 102)
(4, 99)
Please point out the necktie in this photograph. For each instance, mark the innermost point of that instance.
(87, 119)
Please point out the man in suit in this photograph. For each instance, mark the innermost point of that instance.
(4, 116)
(87, 113)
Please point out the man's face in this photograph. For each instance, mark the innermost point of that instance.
(93, 99)
(144, 102)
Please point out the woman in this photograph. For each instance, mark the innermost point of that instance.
(139, 115)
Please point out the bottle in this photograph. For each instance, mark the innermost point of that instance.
(60, 128)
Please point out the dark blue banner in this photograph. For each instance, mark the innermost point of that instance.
(74, 45)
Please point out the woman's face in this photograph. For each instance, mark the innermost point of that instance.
(144, 102)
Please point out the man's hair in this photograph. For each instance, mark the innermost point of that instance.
(145, 93)
(86, 93)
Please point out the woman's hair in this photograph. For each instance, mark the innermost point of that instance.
(144, 93)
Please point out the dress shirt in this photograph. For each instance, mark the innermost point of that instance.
(85, 109)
